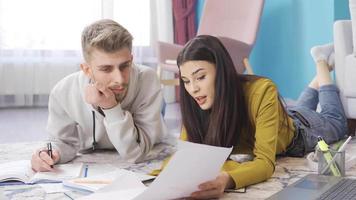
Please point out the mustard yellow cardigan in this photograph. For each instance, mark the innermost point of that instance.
(271, 135)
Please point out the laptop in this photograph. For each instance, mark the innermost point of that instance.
(315, 186)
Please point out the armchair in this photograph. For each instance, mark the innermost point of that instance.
(345, 69)
(234, 22)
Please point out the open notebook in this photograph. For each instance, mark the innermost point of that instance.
(21, 171)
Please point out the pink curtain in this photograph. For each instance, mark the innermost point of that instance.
(184, 25)
(184, 20)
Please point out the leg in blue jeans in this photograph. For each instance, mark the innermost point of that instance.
(331, 122)
(309, 98)
(332, 109)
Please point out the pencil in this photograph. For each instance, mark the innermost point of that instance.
(92, 181)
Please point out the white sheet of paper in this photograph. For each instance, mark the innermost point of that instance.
(2, 195)
(117, 195)
(126, 186)
(190, 166)
(107, 177)
(61, 172)
(54, 188)
(99, 170)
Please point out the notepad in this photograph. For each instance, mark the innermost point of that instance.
(21, 171)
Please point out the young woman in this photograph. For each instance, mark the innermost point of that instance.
(222, 108)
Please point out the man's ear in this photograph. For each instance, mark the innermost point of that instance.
(86, 69)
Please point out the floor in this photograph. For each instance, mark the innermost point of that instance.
(29, 124)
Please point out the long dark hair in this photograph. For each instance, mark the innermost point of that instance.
(222, 124)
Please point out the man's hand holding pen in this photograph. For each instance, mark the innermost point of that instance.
(44, 159)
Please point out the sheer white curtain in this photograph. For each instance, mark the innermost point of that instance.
(162, 30)
(27, 76)
(40, 42)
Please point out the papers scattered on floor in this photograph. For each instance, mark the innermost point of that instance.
(190, 166)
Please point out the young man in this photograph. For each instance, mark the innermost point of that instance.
(110, 103)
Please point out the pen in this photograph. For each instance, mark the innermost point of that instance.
(328, 157)
(49, 150)
(342, 148)
(68, 196)
(86, 171)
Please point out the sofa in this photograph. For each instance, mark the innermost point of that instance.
(345, 69)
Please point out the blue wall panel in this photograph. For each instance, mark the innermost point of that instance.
(289, 28)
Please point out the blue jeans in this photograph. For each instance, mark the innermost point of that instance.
(330, 123)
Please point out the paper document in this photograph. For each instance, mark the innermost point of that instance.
(51, 188)
(190, 166)
(60, 173)
(94, 183)
(126, 186)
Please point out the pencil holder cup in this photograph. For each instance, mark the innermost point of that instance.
(331, 163)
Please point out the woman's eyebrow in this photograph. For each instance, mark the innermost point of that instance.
(196, 71)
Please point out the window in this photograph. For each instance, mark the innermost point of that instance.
(135, 16)
(40, 42)
(57, 24)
